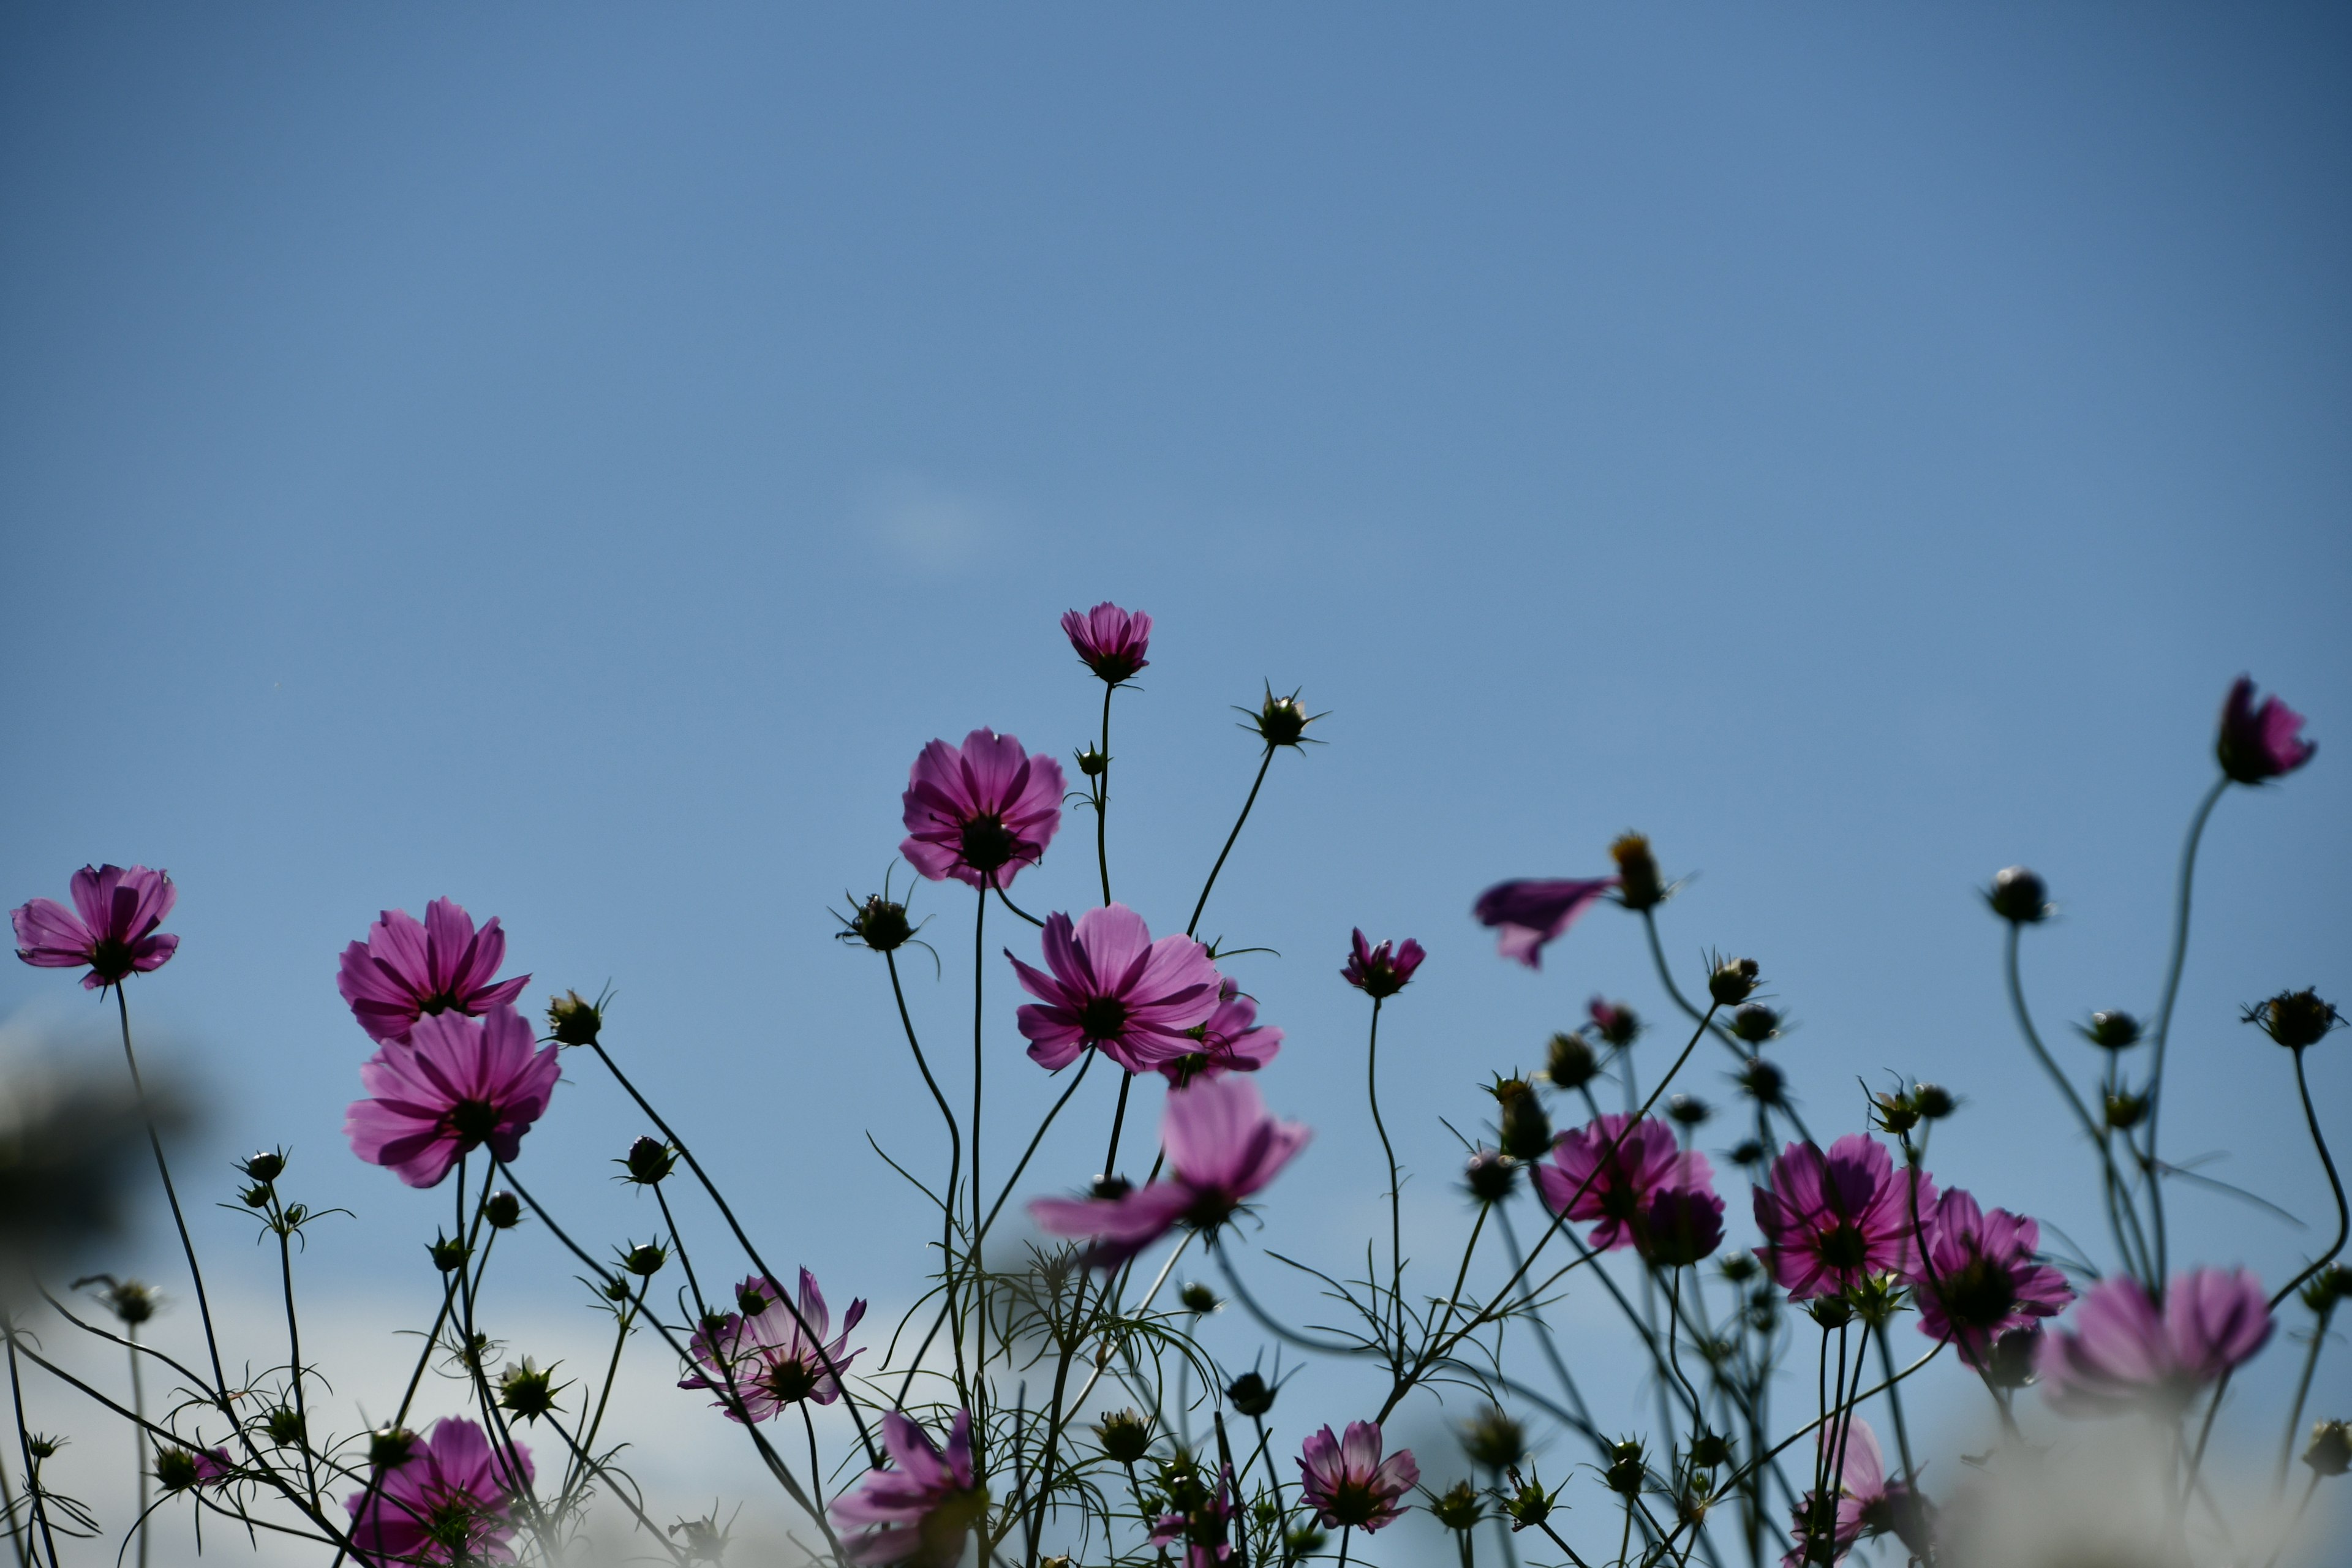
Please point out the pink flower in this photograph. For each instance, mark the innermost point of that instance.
(451, 1500)
(406, 970)
(981, 811)
(1376, 970)
(115, 932)
(1868, 1504)
(1683, 1224)
(1830, 1219)
(1978, 1279)
(2258, 743)
(1347, 1484)
(1529, 914)
(1613, 1021)
(450, 1087)
(761, 1353)
(2125, 1353)
(919, 1513)
(1206, 1532)
(1110, 641)
(1610, 1170)
(177, 1469)
(1113, 987)
(1223, 1146)
(1233, 1040)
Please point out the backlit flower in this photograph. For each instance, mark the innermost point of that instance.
(981, 811)
(2258, 742)
(114, 932)
(1528, 914)
(1109, 641)
(1867, 1504)
(919, 1512)
(1609, 1170)
(1382, 971)
(1830, 1220)
(1347, 1484)
(1115, 988)
(1233, 1040)
(1978, 1279)
(406, 970)
(451, 1500)
(452, 1086)
(2123, 1352)
(763, 1356)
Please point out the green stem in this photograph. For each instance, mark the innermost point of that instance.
(1193, 925)
(1102, 799)
(1396, 1219)
(2335, 1185)
(2164, 1022)
(2294, 1412)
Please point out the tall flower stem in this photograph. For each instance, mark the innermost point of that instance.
(1102, 798)
(40, 1519)
(2164, 1022)
(955, 1172)
(1396, 1216)
(1118, 1120)
(171, 1194)
(979, 1268)
(2335, 1185)
(594, 1422)
(139, 1434)
(1193, 925)
(2294, 1411)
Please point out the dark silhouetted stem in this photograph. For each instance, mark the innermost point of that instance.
(1396, 1220)
(1118, 1120)
(171, 1195)
(1102, 799)
(2335, 1185)
(2164, 1022)
(1193, 926)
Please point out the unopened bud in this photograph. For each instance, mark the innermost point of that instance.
(1762, 1081)
(1895, 1113)
(1490, 1176)
(2010, 1361)
(1755, 1023)
(1614, 1022)
(1525, 1130)
(2019, 897)
(2295, 1020)
(880, 924)
(1739, 1267)
(2330, 1453)
(255, 1196)
(1637, 872)
(644, 1261)
(175, 1469)
(1732, 981)
(1198, 1298)
(1570, 1062)
(2112, 1031)
(1091, 761)
(1830, 1312)
(1250, 1394)
(1493, 1440)
(1458, 1507)
(389, 1447)
(1111, 1189)
(1933, 1101)
(1626, 1472)
(2125, 1110)
(649, 1160)
(1125, 1436)
(1688, 1109)
(1748, 1152)
(285, 1427)
(573, 1020)
(527, 1390)
(502, 1210)
(266, 1166)
(1529, 1506)
(1709, 1450)
(1280, 721)
(448, 1253)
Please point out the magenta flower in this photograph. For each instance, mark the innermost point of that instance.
(1830, 1219)
(1223, 1146)
(919, 1513)
(1349, 1485)
(981, 811)
(1978, 1279)
(1613, 1021)
(1610, 1170)
(177, 1469)
(1233, 1040)
(450, 1087)
(1868, 1505)
(1206, 1532)
(406, 970)
(2258, 743)
(1113, 987)
(1110, 641)
(763, 1356)
(2125, 1353)
(1377, 971)
(115, 931)
(1529, 914)
(1682, 1225)
(451, 1500)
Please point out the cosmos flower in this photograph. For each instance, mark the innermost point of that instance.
(1379, 972)
(1610, 1170)
(981, 811)
(1529, 914)
(1347, 1484)
(2258, 742)
(1979, 1280)
(114, 931)
(1115, 988)
(2123, 1353)
(453, 1085)
(1868, 1504)
(406, 970)
(1233, 1040)
(919, 1512)
(451, 1500)
(765, 1356)
(1109, 641)
(1830, 1220)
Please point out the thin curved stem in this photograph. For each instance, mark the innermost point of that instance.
(1193, 926)
(1396, 1220)
(2164, 1015)
(955, 1173)
(32, 1494)
(2294, 1411)
(2335, 1185)
(171, 1195)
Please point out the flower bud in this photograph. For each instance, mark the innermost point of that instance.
(283, 1426)
(2125, 1110)
(1490, 1176)
(1303, 1542)
(175, 1469)
(2330, 1453)
(1091, 761)
(2019, 897)
(502, 1210)
(448, 1253)
(1738, 1266)
(648, 1161)
(617, 1290)
(1762, 1081)
(264, 1167)
(255, 1196)
(1732, 981)
(1614, 1022)
(1708, 1450)
(1525, 1130)
(130, 1300)
(1279, 720)
(1830, 1312)
(1458, 1507)
(1748, 1152)
(1756, 1023)
(644, 1261)
(575, 1020)
(1689, 1111)
(44, 1448)
(1637, 872)
(1250, 1394)
(1199, 1299)
(1571, 1063)
(1894, 1113)
(1626, 1472)
(527, 1390)
(2010, 1361)
(1529, 1506)
(1933, 1101)
(389, 1447)
(1493, 1440)
(2295, 1020)
(1125, 1436)
(2112, 1031)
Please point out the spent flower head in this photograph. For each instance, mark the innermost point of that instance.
(2256, 743)
(2295, 1020)
(2019, 897)
(880, 922)
(1731, 981)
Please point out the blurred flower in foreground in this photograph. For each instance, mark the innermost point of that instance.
(114, 933)
(1530, 913)
(2124, 1353)
(981, 811)
(449, 1501)
(1978, 1279)
(764, 1357)
(1831, 1220)
(1115, 988)
(1868, 1504)
(450, 1087)
(71, 1138)
(1109, 641)
(919, 1512)
(407, 970)
(1382, 971)
(1347, 1484)
(2258, 743)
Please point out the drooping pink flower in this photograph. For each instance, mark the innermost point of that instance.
(2125, 1353)
(981, 811)
(1613, 1021)
(1382, 971)
(1609, 1170)
(451, 1500)
(1349, 1485)
(407, 970)
(918, 1513)
(1978, 1279)
(1868, 1504)
(1223, 1146)
(2258, 743)
(453, 1085)
(763, 1356)
(1529, 914)
(1830, 1219)
(1233, 1040)
(1114, 988)
(114, 933)
(1109, 641)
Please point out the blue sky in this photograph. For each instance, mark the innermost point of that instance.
(572, 460)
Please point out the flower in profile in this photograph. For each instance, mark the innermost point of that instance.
(765, 1358)
(919, 1512)
(1832, 1220)
(1114, 988)
(1867, 1504)
(1530, 913)
(1109, 641)
(451, 1086)
(2123, 1353)
(111, 928)
(1233, 1040)
(177, 1469)
(1382, 971)
(1349, 1485)
(1978, 1279)
(1200, 1517)
(1613, 1021)
(450, 1499)
(1223, 1146)
(406, 970)
(1613, 1168)
(2259, 742)
(981, 811)
(1681, 1226)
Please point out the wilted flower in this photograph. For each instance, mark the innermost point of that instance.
(446, 1089)
(1610, 1170)
(1830, 1220)
(1613, 1022)
(2125, 1353)
(1347, 1484)
(765, 1356)
(1379, 972)
(1233, 1040)
(2260, 742)
(406, 970)
(1109, 641)
(2295, 1020)
(1979, 1278)
(2019, 897)
(1114, 988)
(114, 932)
(450, 1499)
(919, 1512)
(981, 811)
(1530, 914)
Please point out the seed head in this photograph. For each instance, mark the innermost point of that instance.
(2295, 1020)
(2019, 897)
(1732, 981)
